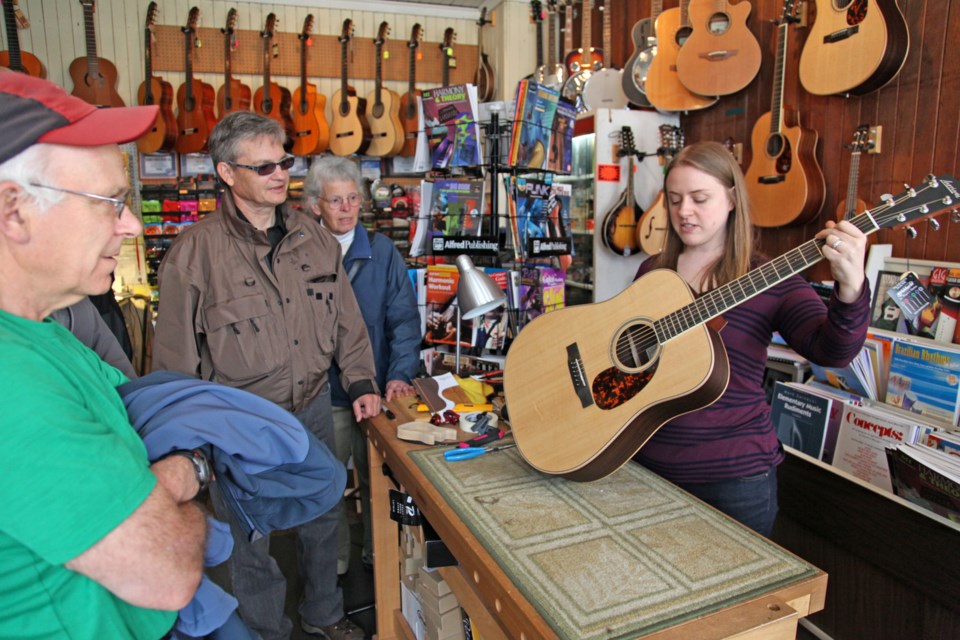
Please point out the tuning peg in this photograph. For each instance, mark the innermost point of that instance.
(911, 192)
(887, 198)
(955, 216)
(934, 224)
(198, 42)
(911, 232)
(276, 51)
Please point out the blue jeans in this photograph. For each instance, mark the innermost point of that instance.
(751, 500)
(259, 584)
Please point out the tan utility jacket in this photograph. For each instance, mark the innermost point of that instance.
(224, 316)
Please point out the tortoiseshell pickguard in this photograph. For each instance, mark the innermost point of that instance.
(613, 387)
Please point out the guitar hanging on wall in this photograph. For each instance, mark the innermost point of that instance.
(14, 58)
(581, 62)
(348, 132)
(604, 88)
(785, 183)
(663, 87)
(852, 205)
(634, 76)
(156, 90)
(270, 99)
(94, 78)
(233, 94)
(311, 133)
(409, 114)
(446, 51)
(588, 385)
(620, 222)
(721, 56)
(655, 221)
(383, 117)
(195, 99)
(484, 78)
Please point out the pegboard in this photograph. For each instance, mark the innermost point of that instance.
(323, 57)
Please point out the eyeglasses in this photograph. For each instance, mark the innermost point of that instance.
(353, 199)
(267, 168)
(119, 204)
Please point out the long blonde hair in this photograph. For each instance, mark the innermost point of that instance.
(715, 160)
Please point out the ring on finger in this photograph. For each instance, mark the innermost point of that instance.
(836, 244)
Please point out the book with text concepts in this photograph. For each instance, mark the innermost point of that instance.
(450, 126)
(865, 433)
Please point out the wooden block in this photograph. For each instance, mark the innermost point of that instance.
(433, 581)
(439, 605)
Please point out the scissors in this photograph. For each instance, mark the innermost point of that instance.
(466, 453)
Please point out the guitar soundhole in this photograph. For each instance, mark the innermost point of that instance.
(785, 159)
(266, 106)
(635, 346)
(378, 111)
(718, 23)
(857, 12)
(682, 34)
(190, 103)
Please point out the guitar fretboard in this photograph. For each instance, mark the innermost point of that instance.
(13, 38)
(90, 35)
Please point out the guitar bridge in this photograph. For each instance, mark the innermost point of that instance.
(842, 34)
(578, 376)
(770, 179)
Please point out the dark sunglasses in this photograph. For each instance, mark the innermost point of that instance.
(267, 168)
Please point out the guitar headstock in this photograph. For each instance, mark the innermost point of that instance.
(861, 139)
(927, 200)
(231, 24)
(193, 21)
(536, 11)
(416, 35)
(88, 4)
(307, 27)
(382, 33)
(449, 37)
(627, 147)
(483, 18)
(672, 139)
(346, 32)
(152, 11)
(268, 26)
(791, 12)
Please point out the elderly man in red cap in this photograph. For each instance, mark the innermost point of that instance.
(95, 542)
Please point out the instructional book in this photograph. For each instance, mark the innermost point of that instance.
(865, 433)
(801, 418)
(442, 281)
(532, 124)
(927, 478)
(856, 377)
(560, 158)
(450, 126)
(542, 289)
(449, 207)
(925, 378)
(540, 217)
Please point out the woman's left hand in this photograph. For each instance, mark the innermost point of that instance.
(845, 247)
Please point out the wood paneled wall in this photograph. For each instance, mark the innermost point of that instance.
(919, 111)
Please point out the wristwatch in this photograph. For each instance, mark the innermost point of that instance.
(201, 466)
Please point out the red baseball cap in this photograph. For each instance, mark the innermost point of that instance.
(34, 110)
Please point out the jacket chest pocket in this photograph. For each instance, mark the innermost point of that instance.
(325, 306)
(246, 341)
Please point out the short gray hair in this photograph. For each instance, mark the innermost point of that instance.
(238, 127)
(31, 166)
(330, 169)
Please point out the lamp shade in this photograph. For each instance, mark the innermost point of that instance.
(477, 293)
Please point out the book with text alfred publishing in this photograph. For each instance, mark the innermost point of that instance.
(925, 378)
(532, 125)
(449, 207)
(450, 125)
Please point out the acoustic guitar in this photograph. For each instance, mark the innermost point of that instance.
(655, 221)
(553, 73)
(852, 205)
(383, 118)
(662, 86)
(855, 47)
(233, 94)
(784, 181)
(446, 51)
(588, 385)
(536, 15)
(156, 90)
(195, 99)
(644, 40)
(14, 58)
(94, 78)
(581, 62)
(484, 78)
(270, 99)
(620, 222)
(348, 133)
(409, 114)
(721, 56)
(604, 87)
(311, 133)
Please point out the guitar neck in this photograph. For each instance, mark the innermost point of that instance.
(656, 8)
(377, 82)
(90, 34)
(188, 63)
(539, 43)
(412, 74)
(13, 38)
(586, 32)
(568, 28)
(551, 39)
(266, 62)
(607, 36)
(852, 182)
(776, 103)
(344, 103)
(303, 71)
(147, 66)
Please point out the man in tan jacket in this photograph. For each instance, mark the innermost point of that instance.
(255, 296)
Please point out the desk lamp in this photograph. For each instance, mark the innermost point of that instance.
(477, 294)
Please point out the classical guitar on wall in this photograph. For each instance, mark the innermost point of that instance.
(655, 221)
(156, 90)
(14, 57)
(784, 180)
(721, 56)
(588, 385)
(446, 51)
(484, 79)
(348, 132)
(855, 47)
(409, 114)
(383, 114)
(663, 87)
(620, 222)
(852, 204)
(270, 99)
(311, 133)
(604, 87)
(634, 75)
(94, 78)
(233, 94)
(195, 118)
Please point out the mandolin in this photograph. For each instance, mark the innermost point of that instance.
(233, 94)
(409, 114)
(311, 133)
(604, 87)
(14, 58)
(581, 65)
(553, 73)
(383, 117)
(348, 133)
(655, 221)
(446, 50)
(663, 87)
(721, 56)
(270, 99)
(588, 385)
(634, 76)
(94, 78)
(852, 205)
(784, 181)
(620, 222)
(195, 118)
(156, 90)
(855, 47)
(484, 79)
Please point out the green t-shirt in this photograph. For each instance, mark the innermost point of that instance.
(71, 470)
